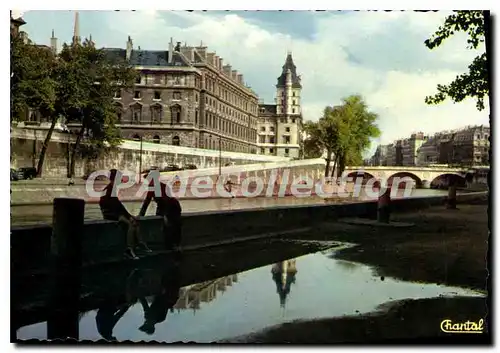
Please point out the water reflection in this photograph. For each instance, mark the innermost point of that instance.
(219, 309)
(284, 274)
(191, 297)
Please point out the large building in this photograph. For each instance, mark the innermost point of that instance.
(186, 95)
(466, 146)
(279, 125)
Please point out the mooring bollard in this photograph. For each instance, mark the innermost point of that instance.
(384, 205)
(451, 202)
(66, 251)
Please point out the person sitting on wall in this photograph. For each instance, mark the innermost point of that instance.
(228, 186)
(113, 210)
(167, 207)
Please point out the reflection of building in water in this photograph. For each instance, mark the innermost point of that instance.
(284, 275)
(192, 296)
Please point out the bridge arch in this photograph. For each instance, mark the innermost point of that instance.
(360, 174)
(444, 180)
(401, 175)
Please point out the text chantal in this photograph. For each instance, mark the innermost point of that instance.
(465, 327)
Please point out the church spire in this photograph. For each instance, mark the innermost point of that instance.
(76, 30)
(53, 43)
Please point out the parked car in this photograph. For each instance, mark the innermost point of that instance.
(190, 167)
(26, 173)
(171, 168)
(13, 175)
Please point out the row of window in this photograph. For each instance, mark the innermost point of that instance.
(176, 141)
(271, 151)
(271, 129)
(160, 79)
(213, 144)
(157, 95)
(231, 97)
(230, 127)
(224, 109)
(283, 94)
(156, 113)
(284, 139)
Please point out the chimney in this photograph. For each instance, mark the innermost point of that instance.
(227, 70)
(170, 50)
(210, 58)
(234, 74)
(188, 52)
(216, 62)
(202, 51)
(220, 63)
(130, 45)
(240, 79)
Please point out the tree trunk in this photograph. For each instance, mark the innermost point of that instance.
(71, 171)
(45, 146)
(335, 164)
(328, 161)
(341, 164)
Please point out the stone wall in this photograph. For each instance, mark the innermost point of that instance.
(104, 241)
(26, 144)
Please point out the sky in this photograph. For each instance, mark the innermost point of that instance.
(379, 55)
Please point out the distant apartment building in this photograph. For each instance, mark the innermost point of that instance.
(391, 154)
(465, 146)
(380, 156)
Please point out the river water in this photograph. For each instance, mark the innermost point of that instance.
(307, 287)
(23, 215)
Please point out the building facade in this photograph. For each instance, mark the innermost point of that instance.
(186, 96)
(279, 124)
(466, 146)
(379, 158)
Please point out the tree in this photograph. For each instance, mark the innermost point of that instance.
(344, 132)
(475, 83)
(33, 86)
(312, 147)
(87, 82)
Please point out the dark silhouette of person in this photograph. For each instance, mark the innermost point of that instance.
(113, 210)
(107, 317)
(164, 301)
(167, 207)
(112, 310)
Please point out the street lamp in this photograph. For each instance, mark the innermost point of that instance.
(140, 156)
(220, 156)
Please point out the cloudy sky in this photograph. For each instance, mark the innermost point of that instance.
(379, 55)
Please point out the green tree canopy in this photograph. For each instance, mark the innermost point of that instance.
(344, 132)
(474, 83)
(32, 83)
(87, 82)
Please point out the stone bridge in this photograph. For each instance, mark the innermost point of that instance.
(422, 175)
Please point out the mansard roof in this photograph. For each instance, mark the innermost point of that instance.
(295, 78)
(147, 57)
